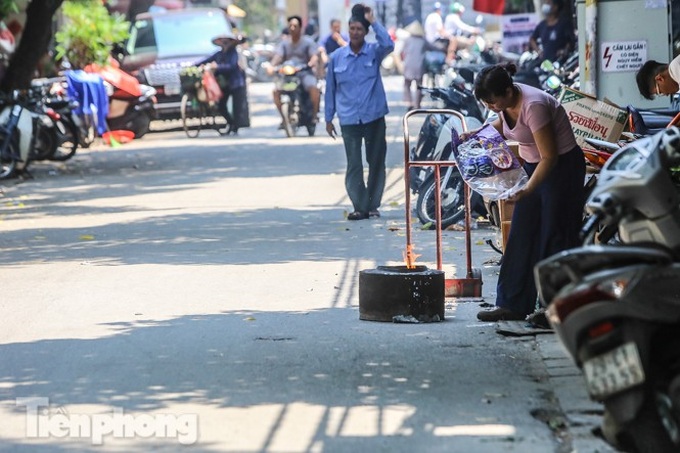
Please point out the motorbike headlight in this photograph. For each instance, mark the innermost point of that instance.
(287, 70)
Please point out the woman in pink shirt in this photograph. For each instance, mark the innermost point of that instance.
(549, 210)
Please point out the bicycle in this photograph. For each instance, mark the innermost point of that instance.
(197, 109)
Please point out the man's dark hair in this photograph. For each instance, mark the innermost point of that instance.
(298, 18)
(645, 77)
(559, 4)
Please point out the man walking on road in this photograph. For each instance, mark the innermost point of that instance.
(354, 90)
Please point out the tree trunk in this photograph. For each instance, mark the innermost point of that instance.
(35, 38)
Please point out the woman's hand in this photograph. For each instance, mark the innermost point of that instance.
(464, 136)
(518, 195)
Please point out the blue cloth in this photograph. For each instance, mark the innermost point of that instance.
(354, 88)
(89, 90)
(227, 67)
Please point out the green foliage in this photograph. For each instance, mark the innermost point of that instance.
(259, 16)
(7, 7)
(89, 33)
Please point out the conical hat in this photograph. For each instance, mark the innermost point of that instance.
(415, 29)
(223, 37)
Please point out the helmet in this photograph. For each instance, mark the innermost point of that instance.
(437, 6)
(457, 8)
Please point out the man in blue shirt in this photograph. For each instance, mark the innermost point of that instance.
(354, 90)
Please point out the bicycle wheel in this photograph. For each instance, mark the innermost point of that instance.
(212, 118)
(192, 112)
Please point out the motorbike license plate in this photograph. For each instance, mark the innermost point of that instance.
(614, 371)
(172, 89)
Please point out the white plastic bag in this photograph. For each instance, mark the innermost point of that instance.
(487, 164)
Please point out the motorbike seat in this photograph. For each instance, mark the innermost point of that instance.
(646, 122)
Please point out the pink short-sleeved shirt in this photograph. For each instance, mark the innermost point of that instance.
(538, 109)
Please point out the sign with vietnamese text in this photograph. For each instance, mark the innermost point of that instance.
(517, 30)
(624, 56)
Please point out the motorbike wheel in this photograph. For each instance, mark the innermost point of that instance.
(67, 140)
(86, 127)
(45, 142)
(652, 429)
(287, 125)
(192, 111)
(452, 201)
(8, 164)
(140, 124)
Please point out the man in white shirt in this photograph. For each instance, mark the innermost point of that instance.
(658, 79)
(435, 33)
(454, 24)
(462, 33)
(434, 24)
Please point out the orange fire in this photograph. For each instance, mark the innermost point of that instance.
(410, 257)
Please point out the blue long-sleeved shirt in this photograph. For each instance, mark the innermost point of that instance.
(354, 88)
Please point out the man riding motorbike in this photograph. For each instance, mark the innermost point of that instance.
(298, 48)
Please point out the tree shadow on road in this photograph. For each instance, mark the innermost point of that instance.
(304, 379)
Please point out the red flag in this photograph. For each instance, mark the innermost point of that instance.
(489, 6)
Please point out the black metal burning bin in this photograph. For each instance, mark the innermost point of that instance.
(400, 294)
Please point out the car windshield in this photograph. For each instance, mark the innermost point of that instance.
(177, 35)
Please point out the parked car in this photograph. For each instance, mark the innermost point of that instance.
(161, 43)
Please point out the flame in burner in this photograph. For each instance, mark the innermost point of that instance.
(410, 257)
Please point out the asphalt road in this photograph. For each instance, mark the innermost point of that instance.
(204, 292)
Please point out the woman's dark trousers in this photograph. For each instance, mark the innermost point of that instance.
(543, 223)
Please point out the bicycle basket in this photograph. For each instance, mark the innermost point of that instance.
(190, 83)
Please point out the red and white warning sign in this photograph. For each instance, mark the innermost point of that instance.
(622, 56)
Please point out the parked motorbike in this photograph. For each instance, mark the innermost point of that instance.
(296, 105)
(616, 308)
(434, 143)
(131, 104)
(56, 134)
(16, 134)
